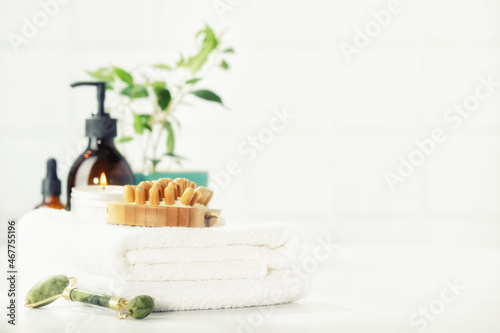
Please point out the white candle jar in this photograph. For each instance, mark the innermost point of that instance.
(88, 203)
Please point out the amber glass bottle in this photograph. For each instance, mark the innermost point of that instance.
(101, 155)
(51, 187)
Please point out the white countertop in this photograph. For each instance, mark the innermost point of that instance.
(357, 289)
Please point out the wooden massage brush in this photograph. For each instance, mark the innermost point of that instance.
(164, 203)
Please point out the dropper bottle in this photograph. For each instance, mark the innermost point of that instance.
(51, 187)
(101, 156)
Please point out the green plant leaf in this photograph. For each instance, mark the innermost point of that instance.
(141, 122)
(158, 85)
(155, 163)
(163, 98)
(176, 156)
(124, 75)
(207, 95)
(196, 62)
(192, 81)
(180, 62)
(135, 91)
(209, 37)
(103, 74)
(124, 139)
(163, 66)
(170, 138)
(210, 42)
(224, 65)
(229, 50)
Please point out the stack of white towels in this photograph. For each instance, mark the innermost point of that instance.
(183, 268)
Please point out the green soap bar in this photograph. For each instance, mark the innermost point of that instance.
(141, 306)
(44, 289)
(78, 295)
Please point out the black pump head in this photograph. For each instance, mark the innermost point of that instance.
(101, 94)
(100, 125)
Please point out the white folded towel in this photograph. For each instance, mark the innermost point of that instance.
(159, 254)
(278, 287)
(183, 268)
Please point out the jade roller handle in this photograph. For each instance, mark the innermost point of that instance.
(139, 307)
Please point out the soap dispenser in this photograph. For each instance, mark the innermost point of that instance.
(101, 156)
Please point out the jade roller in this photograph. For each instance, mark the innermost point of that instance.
(50, 289)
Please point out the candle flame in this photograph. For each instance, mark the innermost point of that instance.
(103, 180)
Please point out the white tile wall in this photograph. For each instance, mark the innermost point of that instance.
(362, 163)
(473, 184)
(381, 91)
(39, 104)
(129, 20)
(281, 20)
(326, 168)
(404, 25)
(454, 74)
(465, 20)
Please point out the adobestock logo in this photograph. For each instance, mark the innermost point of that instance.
(470, 103)
(426, 315)
(293, 279)
(30, 27)
(225, 6)
(417, 157)
(372, 29)
(453, 116)
(250, 147)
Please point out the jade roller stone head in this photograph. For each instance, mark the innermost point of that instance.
(47, 288)
(140, 306)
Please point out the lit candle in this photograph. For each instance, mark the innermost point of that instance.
(88, 203)
(103, 181)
